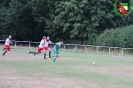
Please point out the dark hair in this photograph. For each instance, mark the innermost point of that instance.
(44, 37)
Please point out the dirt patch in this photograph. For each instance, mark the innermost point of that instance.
(16, 56)
(13, 80)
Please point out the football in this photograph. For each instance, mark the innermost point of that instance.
(94, 63)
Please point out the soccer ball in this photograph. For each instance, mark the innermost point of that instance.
(94, 63)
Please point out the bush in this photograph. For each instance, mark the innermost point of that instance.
(119, 37)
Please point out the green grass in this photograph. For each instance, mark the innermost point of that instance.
(108, 71)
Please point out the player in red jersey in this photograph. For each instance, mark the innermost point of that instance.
(40, 47)
(47, 42)
(7, 45)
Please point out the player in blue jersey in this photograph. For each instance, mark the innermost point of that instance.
(56, 50)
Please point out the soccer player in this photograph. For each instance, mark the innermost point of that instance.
(56, 50)
(40, 47)
(7, 45)
(47, 42)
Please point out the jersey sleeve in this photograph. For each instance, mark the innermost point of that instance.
(7, 40)
(42, 42)
(50, 41)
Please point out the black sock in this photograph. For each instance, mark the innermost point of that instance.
(44, 55)
(49, 54)
(4, 52)
(34, 53)
(31, 52)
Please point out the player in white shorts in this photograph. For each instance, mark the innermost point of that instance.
(47, 42)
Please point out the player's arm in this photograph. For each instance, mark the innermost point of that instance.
(8, 41)
(51, 42)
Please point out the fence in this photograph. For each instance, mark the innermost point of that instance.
(102, 50)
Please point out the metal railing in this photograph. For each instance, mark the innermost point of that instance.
(104, 50)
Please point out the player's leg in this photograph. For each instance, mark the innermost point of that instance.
(9, 48)
(4, 52)
(49, 52)
(56, 56)
(32, 52)
(6, 49)
(3, 49)
(45, 54)
(45, 49)
(38, 50)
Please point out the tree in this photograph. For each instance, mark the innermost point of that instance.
(84, 19)
(18, 19)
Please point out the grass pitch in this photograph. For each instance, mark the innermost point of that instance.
(18, 69)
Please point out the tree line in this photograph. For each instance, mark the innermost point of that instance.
(82, 20)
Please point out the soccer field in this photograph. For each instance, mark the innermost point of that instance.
(18, 69)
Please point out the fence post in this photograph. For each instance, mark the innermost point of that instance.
(122, 51)
(85, 48)
(97, 49)
(64, 47)
(29, 45)
(15, 44)
(75, 48)
(109, 50)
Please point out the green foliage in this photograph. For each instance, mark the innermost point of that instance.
(16, 20)
(119, 37)
(68, 19)
(84, 19)
(19, 20)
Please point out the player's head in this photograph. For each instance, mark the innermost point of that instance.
(48, 37)
(61, 41)
(44, 37)
(10, 37)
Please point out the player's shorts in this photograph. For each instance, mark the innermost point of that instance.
(56, 52)
(7, 47)
(45, 48)
(39, 49)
